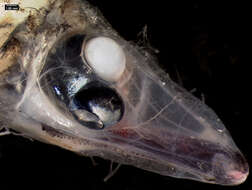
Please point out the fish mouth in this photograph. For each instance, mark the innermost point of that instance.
(232, 169)
(179, 157)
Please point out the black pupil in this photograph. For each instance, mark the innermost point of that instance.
(102, 101)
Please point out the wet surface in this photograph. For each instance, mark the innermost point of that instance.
(215, 68)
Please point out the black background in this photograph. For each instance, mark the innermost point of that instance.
(202, 46)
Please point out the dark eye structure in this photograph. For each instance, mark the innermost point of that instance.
(75, 89)
(102, 101)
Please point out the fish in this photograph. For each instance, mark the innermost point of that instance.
(54, 89)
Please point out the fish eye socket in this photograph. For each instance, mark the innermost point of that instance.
(74, 89)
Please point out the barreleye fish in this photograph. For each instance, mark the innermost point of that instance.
(67, 78)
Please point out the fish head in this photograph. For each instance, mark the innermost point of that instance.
(51, 92)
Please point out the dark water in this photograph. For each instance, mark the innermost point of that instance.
(203, 46)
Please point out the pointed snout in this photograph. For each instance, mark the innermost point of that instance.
(168, 131)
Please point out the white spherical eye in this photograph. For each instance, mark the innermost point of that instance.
(106, 58)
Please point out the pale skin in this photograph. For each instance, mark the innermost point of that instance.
(163, 129)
